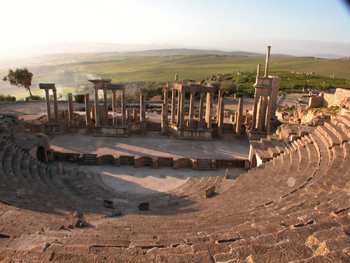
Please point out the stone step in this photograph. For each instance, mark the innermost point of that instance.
(329, 135)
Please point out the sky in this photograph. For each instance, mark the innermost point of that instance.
(298, 27)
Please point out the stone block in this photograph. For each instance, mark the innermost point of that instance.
(209, 191)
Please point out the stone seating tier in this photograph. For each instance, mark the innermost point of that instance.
(294, 208)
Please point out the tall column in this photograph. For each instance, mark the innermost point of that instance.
(97, 109)
(255, 109)
(163, 119)
(173, 94)
(182, 110)
(239, 116)
(71, 111)
(55, 104)
(267, 62)
(267, 118)
(263, 113)
(221, 107)
(218, 106)
(87, 110)
(142, 113)
(209, 109)
(178, 107)
(191, 113)
(259, 113)
(123, 108)
(105, 104)
(166, 104)
(201, 105)
(114, 107)
(48, 108)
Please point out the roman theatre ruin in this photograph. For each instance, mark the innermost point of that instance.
(117, 182)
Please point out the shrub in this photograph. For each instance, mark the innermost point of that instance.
(7, 98)
(34, 97)
(80, 98)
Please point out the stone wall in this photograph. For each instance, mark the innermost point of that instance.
(315, 102)
(340, 97)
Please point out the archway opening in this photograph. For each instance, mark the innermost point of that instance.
(41, 154)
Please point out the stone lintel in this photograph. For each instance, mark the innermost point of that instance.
(99, 80)
(47, 86)
(115, 87)
(193, 87)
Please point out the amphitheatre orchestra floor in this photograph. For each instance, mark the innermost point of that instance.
(146, 180)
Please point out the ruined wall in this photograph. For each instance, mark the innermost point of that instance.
(340, 97)
(315, 102)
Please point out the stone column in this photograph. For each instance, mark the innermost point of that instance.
(258, 112)
(87, 110)
(267, 118)
(164, 117)
(239, 116)
(221, 106)
(191, 113)
(260, 124)
(97, 109)
(182, 110)
(71, 111)
(166, 104)
(48, 108)
(201, 105)
(142, 113)
(258, 72)
(123, 108)
(209, 109)
(267, 62)
(255, 108)
(263, 114)
(55, 104)
(178, 107)
(114, 107)
(173, 94)
(105, 105)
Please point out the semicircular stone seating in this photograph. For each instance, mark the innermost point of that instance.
(293, 208)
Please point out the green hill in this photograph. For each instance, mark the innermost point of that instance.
(71, 72)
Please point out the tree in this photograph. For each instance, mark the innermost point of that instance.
(20, 78)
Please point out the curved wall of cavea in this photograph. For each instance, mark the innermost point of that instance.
(192, 184)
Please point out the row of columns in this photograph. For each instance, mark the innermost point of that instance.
(261, 114)
(178, 105)
(105, 106)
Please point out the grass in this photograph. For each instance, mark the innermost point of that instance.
(147, 66)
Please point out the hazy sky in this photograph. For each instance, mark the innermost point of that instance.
(295, 26)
